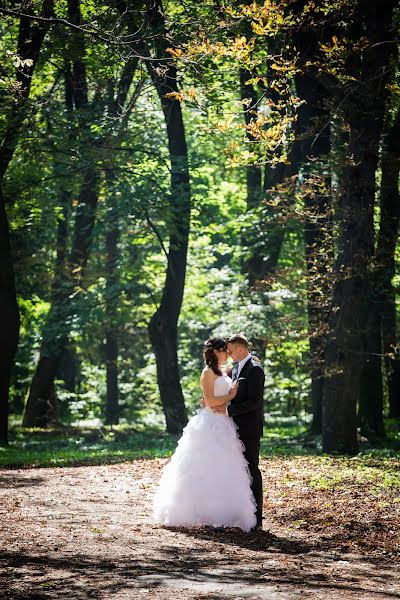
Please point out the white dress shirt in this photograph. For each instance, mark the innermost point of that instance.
(241, 364)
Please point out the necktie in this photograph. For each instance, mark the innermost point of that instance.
(235, 371)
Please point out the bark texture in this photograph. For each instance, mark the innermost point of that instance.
(379, 310)
(364, 112)
(112, 409)
(30, 40)
(163, 326)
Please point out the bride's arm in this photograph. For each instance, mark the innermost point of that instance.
(207, 380)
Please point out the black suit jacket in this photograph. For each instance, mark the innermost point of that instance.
(247, 406)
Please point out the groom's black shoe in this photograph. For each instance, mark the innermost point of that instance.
(215, 529)
(258, 526)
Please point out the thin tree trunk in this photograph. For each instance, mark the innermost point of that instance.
(392, 355)
(40, 409)
(351, 291)
(30, 39)
(111, 350)
(370, 408)
(9, 320)
(371, 388)
(163, 326)
(112, 410)
(253, 265)
(318, 256)
(387, 240)
(253, 172)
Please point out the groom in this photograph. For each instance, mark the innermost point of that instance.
(246, 408)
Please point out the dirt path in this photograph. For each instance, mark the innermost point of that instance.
(86, 532)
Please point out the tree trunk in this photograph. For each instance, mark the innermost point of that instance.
(112, 409)
(371, 394)
(388, 234)
(253, 172)
(370, 409)
(68, 370)
(40, 409)
(30, 39)
(9, 320)
(56, 332)
(163, 326)
(253, 265)
(391, 352)
(351, 289)
(318, 257)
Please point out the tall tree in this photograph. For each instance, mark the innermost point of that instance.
(381, 326)
(29, 44)
(364, 105)
(163, 326)
(112, 409)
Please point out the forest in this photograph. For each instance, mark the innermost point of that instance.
(172, 171)
(175, 171)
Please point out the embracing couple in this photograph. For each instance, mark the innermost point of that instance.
(213, 478)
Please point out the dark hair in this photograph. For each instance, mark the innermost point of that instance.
(210, 358)
(240, 339)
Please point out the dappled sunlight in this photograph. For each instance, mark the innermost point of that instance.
(83, 531)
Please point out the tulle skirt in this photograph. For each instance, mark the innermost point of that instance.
(207, 481)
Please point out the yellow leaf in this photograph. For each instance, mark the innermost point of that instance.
(175, 96)
(177, 52)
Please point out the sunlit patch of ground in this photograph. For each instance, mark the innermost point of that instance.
(331, 531)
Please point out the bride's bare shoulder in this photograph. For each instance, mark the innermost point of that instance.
(207, 373)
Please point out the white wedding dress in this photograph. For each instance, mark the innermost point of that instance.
(207, 481)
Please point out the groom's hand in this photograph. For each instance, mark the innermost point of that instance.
(220, 409)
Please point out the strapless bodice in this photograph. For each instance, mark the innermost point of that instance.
(222, 385)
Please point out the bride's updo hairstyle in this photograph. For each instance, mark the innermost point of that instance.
(210, 358)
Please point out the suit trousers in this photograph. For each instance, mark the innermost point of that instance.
(252, 455)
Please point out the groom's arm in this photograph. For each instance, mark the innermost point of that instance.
(255, 393)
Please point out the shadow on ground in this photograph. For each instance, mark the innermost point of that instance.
(195, 570)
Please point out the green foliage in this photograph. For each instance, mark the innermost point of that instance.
(129, 151)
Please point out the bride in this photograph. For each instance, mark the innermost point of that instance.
(207, 481)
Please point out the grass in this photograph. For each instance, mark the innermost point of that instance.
(72, 446)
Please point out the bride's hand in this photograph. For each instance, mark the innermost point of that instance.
(233, 391)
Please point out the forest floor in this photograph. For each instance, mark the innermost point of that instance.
(331, 531)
